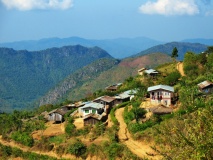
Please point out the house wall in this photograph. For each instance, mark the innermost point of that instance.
(55, 117)
(90, 121)
(161, 97)
(89, 110)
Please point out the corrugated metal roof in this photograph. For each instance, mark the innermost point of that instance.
(205, 84)
(122, 96)
(131, 92)
(149, 71)
(96, 116)
(164, 87)
(93, 105)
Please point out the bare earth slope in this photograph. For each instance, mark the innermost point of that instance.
(180, 68)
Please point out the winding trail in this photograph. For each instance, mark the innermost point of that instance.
(180, 68)
(141, 149)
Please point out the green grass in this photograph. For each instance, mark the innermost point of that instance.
(167, 68)
(58, 139)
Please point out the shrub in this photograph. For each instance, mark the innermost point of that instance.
(23, 138)
(77, 148)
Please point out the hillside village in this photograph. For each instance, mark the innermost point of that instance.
(136, 119)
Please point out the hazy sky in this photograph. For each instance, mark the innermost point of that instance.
(165, 20)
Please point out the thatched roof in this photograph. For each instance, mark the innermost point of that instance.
(161, 109)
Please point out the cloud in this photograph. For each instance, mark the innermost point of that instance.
(170, 7)
(37, 4)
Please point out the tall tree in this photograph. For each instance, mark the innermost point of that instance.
(174, 53)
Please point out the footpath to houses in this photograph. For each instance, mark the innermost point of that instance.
(180, 68)
(141, 149)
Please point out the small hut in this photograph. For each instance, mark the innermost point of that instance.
(206, 87)
(56, 115)
(92, 119)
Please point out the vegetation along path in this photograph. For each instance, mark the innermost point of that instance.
(28, 149)
(141, 149)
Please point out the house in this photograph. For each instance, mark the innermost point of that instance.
(206, 87)
(151, 72)
(113, 87)
(161, 94)
(57, 115)
(92, 119)
(141, 71)
(107, 101)
(91, 107)
(123, 97)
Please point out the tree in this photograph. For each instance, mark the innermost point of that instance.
(138, 112)
(174, 53)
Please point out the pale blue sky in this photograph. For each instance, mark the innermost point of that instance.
(164, 20)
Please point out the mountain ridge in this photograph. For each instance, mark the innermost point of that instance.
(118, 48)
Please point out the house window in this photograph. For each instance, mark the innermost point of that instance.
(86, 111)
(93, 111)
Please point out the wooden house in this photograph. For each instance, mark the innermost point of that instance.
(113, 87)
(93, 119)
(161, 94)
(57, 115)
(123, 97)
(107, 101)
(206, 87)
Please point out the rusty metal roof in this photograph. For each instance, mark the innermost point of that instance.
(107, 99)
(204, 84)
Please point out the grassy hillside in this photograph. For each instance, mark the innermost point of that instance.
(26, 76)
(182, 48)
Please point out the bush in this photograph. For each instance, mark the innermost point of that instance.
(77, 148)
(23, 138)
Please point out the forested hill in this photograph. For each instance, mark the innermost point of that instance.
(25, 76)
(99, 75)
(182, 47)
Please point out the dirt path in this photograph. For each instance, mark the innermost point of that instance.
(139, 148)
(180, 68)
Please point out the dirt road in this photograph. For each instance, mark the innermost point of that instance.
(139, 148)
(180, 68)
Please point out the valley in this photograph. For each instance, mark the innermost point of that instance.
(144, 126)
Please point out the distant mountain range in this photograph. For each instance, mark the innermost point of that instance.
(118, 48)
(25, 76)
(208, 42)
(182, 47)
